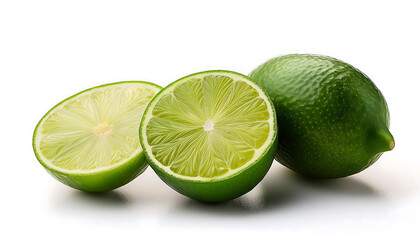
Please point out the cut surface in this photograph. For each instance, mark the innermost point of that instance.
(94, 129)
(208, 125)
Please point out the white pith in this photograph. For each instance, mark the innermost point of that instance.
(102, 129)
(208, 126)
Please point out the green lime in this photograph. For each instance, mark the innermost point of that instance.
(90, 140)
(332, 120)
(210, 135)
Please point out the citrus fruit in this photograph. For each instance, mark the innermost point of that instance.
(210, 135)
(332, 120)
(90, 140)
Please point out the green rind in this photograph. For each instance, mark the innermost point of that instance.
(222, 189)
(104, 179)
(317, 137)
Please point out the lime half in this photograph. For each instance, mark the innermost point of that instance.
(90, 140)
(211, 135)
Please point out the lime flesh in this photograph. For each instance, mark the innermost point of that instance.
(90, 141)
(210, 135)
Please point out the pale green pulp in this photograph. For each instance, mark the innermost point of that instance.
(95, 129)
(207, 126)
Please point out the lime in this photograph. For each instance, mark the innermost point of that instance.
(333, 121)
(210, 135)
(90, 140)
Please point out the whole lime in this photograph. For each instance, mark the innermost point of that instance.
(332, 120)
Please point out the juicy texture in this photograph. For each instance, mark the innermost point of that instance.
(333, 121)
(207, 126)
(95, 129)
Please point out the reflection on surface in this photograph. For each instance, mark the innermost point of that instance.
(78, 199)
(92, 207)
(111, 198)
(282, 188)
(247, 204)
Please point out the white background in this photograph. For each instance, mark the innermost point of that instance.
(50, 50)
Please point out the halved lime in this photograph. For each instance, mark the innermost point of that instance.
(90, 140)
(211, 135)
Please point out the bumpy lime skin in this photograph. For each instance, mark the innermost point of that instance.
(99, 181)
(333, 121)
(219, 190)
